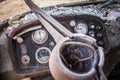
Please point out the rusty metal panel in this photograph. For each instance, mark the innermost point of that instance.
(5, 60)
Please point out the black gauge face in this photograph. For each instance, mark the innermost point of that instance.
(42, 55)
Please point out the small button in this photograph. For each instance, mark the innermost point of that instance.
(92, 33)
(100, 42)
(52, 44)
(98, 27)
(92, 26)
(99, 35)
(19, 40)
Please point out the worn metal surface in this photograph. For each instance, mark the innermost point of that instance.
(5, 59)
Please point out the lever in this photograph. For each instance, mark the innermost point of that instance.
(48, 18)
(51, 24)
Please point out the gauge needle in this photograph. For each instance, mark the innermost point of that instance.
(40, 36)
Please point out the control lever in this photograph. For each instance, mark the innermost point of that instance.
(86, 47)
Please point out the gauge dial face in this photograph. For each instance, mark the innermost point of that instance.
(81, 28)
(40, 36)
(72, 23)
(42, 55)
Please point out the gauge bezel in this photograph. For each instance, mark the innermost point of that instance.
(36, 55)
(37, 42)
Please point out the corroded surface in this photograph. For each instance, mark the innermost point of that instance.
(5, 60)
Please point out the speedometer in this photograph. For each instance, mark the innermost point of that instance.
(40, 36)
(81, 28)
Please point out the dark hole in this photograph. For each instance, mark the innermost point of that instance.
(72, 53)
(25, 60)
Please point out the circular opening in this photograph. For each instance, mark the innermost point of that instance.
(25, 60)
(42, 55)
(77, 57)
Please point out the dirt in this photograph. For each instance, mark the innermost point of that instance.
(13, 7)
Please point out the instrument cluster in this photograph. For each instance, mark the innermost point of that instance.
(89, 25)
(35, 50)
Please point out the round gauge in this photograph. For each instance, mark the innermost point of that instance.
(40, 36)
(42, 55)
(72, 23)
(81, 28)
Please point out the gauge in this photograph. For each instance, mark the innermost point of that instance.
(72, 23)
(40, 36)
(81, 28)
(42, 55)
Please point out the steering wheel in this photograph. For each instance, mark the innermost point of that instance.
(60, 61)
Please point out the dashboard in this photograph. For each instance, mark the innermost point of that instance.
(32, 44)
(89, 25)
(34, 52)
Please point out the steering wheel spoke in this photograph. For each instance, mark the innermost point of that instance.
(55, 34)
(55, 24)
